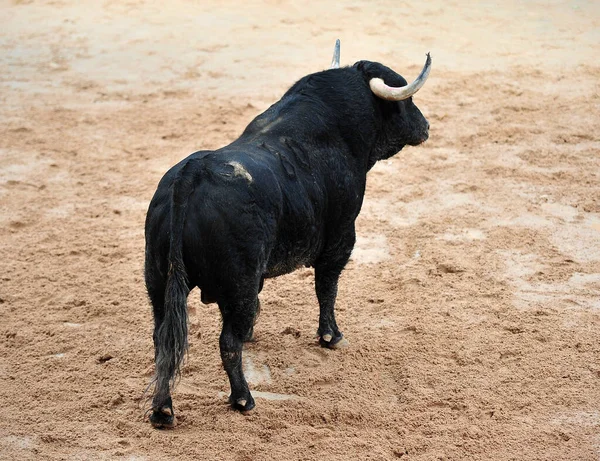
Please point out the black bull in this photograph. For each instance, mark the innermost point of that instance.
(285, 194)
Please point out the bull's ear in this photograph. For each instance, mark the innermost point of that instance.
(370, 69)
(360, 65)
(375, 70)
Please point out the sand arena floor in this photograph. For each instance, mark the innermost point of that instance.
(472, 301)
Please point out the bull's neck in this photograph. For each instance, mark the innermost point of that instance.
(324, 123)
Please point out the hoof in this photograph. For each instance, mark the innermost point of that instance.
(243, 404)
(337, 342)
(341, 344)
(163, 418)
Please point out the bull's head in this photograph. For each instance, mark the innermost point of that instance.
(403, 121)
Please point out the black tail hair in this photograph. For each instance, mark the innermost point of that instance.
(172, 343)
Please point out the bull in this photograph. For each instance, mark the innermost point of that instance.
(285, 194)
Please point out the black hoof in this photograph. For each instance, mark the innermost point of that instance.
(332, 341)
(163, 418)
(242, 403)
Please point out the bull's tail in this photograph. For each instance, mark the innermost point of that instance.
(172, 335)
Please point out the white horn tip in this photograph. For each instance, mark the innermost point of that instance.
(335, 61)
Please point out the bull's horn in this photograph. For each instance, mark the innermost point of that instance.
(335, 61)
(404, 92)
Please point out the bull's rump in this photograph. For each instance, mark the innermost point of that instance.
(247, 218)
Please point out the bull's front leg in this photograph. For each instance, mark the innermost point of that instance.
(327, 273)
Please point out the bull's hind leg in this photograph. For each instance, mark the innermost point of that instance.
(249, 337)
(327, 273)
(238, 322)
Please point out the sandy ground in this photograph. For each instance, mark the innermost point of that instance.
(472, 301)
